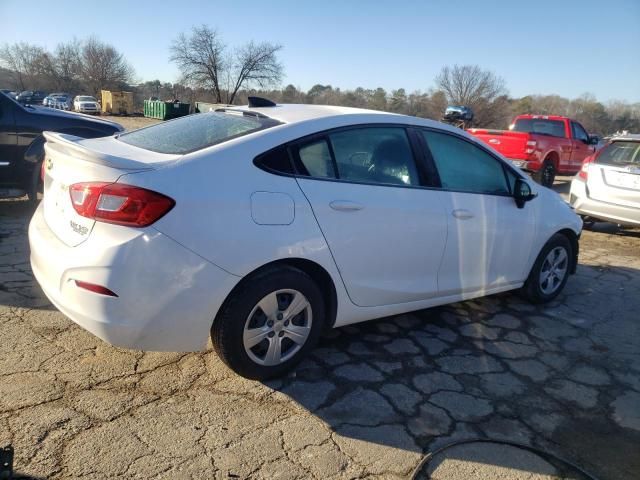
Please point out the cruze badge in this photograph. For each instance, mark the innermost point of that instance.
(49, 164)
(78, 228)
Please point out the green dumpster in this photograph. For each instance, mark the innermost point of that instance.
(165, 110)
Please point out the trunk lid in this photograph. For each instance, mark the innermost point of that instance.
(69, 160)
(614, 177)
(508, 143)
(618, 185)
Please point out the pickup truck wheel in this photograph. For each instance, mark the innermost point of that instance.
(546, 175)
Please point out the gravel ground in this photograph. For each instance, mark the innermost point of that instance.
(131, 123)
(371, 400)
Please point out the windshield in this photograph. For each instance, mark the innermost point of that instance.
(620, 153)
(195, 132)
(86, 99)
(553, 128)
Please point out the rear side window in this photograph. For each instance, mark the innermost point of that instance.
(195, 132)
(620, 153)
(540, 126)
(464, 167)
(316, 159)
(276, 160)
(375, 155)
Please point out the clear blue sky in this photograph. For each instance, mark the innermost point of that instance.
(564, 47)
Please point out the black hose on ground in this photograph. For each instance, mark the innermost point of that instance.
(424, 463)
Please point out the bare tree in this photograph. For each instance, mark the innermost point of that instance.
(23, 60)
(479, 89)
(68, 65)
(466, 84)
(103, 67)
(205, 62)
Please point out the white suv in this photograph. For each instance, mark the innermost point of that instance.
(86, 104)
(263, 225)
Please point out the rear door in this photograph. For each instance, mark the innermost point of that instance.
(385, 230)
(615, 175)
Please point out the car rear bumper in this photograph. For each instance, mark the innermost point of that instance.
(167, 295)
(609, 212)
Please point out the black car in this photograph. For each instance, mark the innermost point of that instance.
(31, 97)
(22, 143)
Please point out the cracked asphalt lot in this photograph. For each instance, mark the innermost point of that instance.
(371, 400)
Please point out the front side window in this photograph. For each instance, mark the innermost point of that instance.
(464, 167)
(194, 132)
(579, 132)
(375, 155)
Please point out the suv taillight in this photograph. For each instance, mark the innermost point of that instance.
(584, 170)
(118, 203)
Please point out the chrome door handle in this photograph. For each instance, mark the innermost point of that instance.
(345, 206)
(462, 214)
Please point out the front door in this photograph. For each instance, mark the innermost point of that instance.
(581, 148)
(489, 237)
(386, 232)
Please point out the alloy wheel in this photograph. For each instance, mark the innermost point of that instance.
(554, 269)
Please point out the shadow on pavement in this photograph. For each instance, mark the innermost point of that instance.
(494, 368)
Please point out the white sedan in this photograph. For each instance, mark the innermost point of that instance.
(262, 225)
(86, 104)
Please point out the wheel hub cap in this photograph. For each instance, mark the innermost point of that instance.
(277, 327)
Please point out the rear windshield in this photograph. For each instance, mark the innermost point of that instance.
(195, 132)
(620, 153)
(553, 128)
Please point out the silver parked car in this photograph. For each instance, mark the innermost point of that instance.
(608, 185)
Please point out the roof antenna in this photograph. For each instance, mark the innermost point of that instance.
(257, 102)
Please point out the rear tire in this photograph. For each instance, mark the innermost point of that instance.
(550, 270)
(35, 185)
(257, 335)
(546, 175)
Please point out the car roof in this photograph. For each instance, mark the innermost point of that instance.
(295, 112)
(629, 137)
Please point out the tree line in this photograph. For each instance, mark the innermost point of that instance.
(213, 71)
(87, 66)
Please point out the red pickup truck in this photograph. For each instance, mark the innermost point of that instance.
(544, 145)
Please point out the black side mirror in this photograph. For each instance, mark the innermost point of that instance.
(593, 139)
(522, 193)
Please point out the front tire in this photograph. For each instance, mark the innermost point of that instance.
(546, 175)
(269, 323)
(550, 270)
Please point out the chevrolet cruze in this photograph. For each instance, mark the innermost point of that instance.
(260, 226)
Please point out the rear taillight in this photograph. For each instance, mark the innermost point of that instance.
(531, 147)
(584, 170)
(42, 171)
(118, 203)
